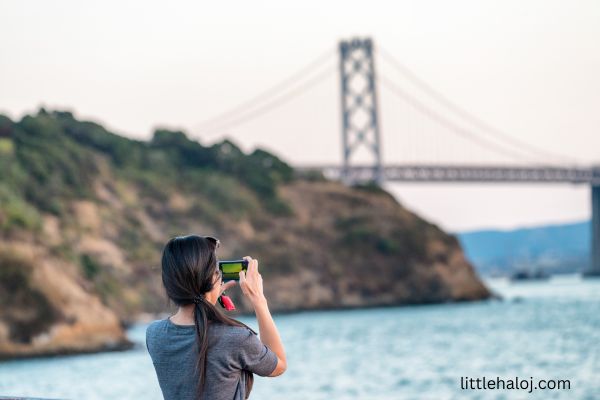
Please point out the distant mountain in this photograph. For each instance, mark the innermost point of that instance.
(563, 248)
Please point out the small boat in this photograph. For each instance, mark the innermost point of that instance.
(530, 275)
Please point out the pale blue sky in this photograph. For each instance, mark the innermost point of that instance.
(529, 68)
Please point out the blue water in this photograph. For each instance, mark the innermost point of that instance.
(544, 330)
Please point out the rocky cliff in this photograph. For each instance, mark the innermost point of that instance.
(84, 214)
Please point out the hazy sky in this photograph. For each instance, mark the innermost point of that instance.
(530, 68)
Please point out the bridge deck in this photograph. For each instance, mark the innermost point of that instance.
(23, 398)
(461, 173)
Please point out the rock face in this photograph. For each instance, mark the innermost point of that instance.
(45, 311)
(355, 248)
(84, 214)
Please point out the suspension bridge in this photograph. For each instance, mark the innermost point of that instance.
(435, 125)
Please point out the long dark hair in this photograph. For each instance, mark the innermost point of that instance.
(189, 265)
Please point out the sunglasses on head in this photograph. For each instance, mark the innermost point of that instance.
(213, 240)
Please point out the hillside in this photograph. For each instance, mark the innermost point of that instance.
(84, 214)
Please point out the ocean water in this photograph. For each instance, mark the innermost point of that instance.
(541, 330)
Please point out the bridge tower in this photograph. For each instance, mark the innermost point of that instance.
(359, 104)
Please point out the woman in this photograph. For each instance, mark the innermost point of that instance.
(199, 352)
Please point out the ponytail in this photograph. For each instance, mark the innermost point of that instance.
(201, 323)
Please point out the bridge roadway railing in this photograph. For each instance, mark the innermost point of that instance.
(458, 173)
(23, 398)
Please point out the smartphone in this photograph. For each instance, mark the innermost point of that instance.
(231, 269)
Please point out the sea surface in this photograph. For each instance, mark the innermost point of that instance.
(540, 330)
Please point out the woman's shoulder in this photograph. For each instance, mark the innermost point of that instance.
(155, 326)
(154, 332)
(232, 333)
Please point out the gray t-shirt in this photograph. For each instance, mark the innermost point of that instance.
(231, 349)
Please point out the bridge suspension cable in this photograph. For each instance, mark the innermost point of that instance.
(450, 125)
(461, 112)
(274, 103)
(273, 97)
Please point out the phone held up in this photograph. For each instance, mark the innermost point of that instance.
(230, 272)
(231, 269)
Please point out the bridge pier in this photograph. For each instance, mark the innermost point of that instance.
(595, 237)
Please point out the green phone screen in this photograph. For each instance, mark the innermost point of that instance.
(231, 270)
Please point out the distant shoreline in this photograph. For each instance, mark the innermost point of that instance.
(146, 318)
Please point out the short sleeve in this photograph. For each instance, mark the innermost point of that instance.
(256, 357)
(148, 337)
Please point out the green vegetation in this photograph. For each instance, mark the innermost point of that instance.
(6, 146)
(105, 284)
(16, 213)
(90, 267)
(364, 233)
(373, 188)
(50, 158)
(360, 232)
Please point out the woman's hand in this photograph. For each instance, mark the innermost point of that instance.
(225, 286)
(251, 282)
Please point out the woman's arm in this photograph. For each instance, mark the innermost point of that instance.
(252, 286)
(269, 335)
